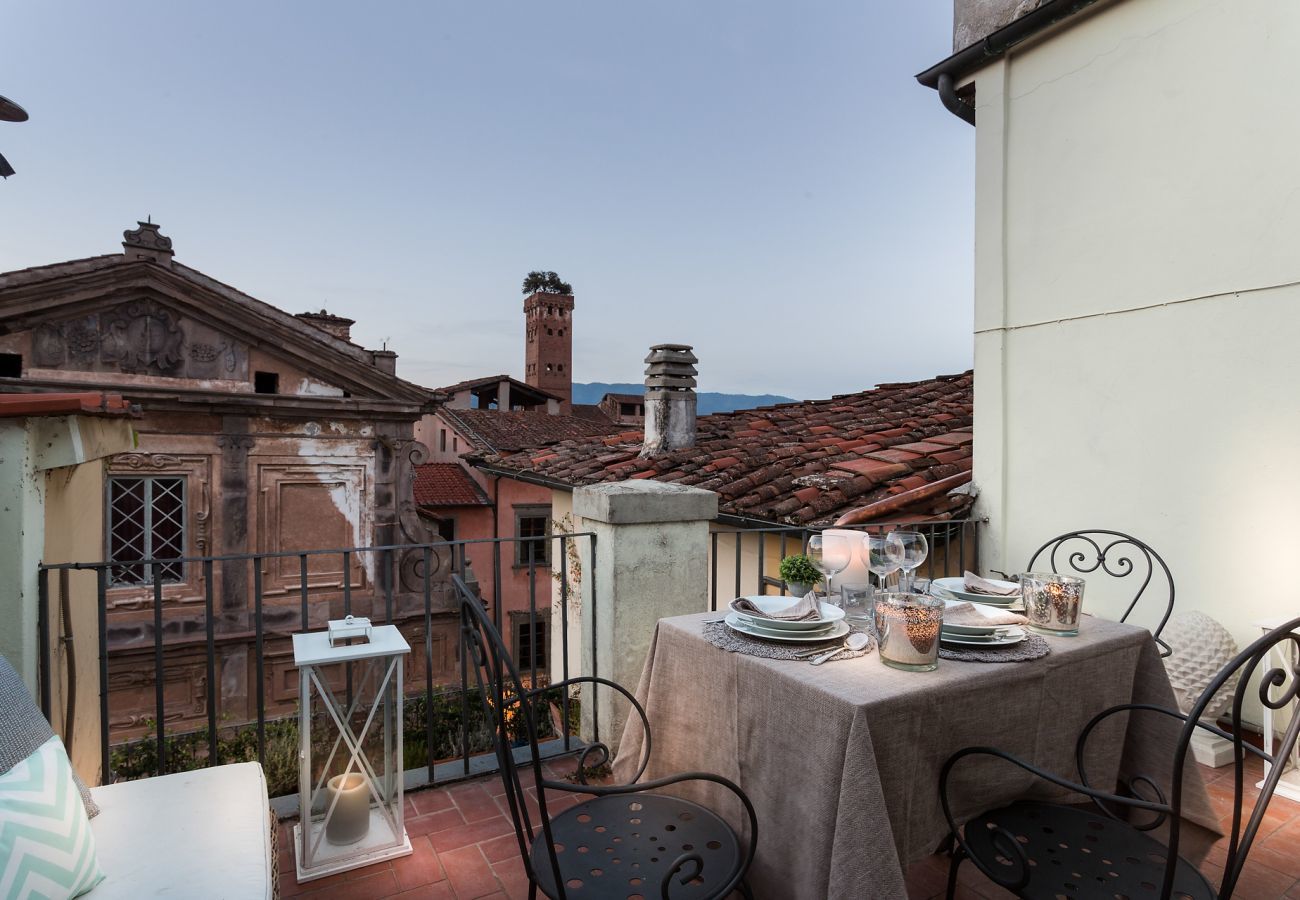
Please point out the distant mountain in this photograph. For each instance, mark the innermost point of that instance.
(707, 402)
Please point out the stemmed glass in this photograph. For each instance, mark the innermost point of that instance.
(884, 554)
(915, 550)
(830, 554)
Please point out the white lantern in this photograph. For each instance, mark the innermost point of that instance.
(350, 739)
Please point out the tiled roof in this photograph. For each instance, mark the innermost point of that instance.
(446, 484)
(897, 450)
(625, 398)
(592, 412)
(489, 380)
(499, 431)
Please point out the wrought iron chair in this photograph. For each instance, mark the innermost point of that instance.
(1111, 553)
(623, 841)
(1046, 850)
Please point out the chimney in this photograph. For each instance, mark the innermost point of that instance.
(147, 243)
(339, 326)
(669, 399)
(385, 361)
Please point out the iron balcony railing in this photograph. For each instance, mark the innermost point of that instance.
(383, 591)
(753, 555)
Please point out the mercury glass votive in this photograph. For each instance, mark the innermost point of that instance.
(1052, 602)
(907, 627)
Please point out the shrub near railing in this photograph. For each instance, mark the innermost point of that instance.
(187, 751)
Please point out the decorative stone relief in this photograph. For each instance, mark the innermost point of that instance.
(142, 336)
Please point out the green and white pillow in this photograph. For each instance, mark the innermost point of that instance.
(47, 849)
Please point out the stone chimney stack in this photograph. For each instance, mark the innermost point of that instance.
(339, 326)
(669, 399)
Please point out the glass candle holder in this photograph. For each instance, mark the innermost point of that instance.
(907, 628)
(1052, 602)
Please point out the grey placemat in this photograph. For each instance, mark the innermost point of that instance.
(1032, 647)
(719, 635)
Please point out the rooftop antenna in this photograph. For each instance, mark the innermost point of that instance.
(9, 112)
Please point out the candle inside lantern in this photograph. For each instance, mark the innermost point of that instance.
(351, 817)
(908, 627)
(1052, 602)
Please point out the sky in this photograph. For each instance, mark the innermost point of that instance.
(761, 179)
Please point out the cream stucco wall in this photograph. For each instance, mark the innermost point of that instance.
(1137, 296)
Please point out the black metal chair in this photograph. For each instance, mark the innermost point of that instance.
(1048, 850)
(1111, 553)
(623, 842)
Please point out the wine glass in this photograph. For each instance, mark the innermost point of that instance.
(884, 554)
(830, 554)
(915, 550)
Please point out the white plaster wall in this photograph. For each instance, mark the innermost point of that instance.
(22, 539)
(1137, 300)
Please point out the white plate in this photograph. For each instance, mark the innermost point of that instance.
(769, 605)
(957, 587)
(1015, 634)
(836, 630)
(954, 628)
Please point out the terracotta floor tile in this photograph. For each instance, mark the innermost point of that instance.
(469, 873)
(513, 878)
(464, 835)
(504, 847)
(439, 821)
(440, 891)
(371, 887)
(431, 800)
(474, 802)
(421, 867)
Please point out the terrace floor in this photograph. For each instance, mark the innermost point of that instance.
(465, 849)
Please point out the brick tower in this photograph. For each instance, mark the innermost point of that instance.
(548, 348)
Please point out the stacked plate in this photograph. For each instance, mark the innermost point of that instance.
(830, 626)
(981, 635)
(956, 587)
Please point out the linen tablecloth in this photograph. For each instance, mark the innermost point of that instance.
(842, 761)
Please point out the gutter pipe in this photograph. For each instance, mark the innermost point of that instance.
(943, 76)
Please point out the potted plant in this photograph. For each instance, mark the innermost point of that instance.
(799, 574)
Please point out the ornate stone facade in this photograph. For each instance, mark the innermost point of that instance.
(259, 433)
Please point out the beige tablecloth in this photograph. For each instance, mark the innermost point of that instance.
(842, 761)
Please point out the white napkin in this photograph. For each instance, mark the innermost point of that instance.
(806, 609)
(977, 585)
(961, 612)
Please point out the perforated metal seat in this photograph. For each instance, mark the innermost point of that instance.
(1062, 852)
(1074, 853)
(624, 846)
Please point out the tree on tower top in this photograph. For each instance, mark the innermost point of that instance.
(546, 283)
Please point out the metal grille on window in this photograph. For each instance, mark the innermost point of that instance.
(146, 520)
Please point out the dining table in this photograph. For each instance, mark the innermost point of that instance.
(841, 761)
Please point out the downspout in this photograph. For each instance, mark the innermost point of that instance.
(951, 102)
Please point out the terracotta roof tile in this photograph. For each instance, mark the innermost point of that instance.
(447, 484)
(502, 431)
(800, 463)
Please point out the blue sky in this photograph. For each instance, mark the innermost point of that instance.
(763, 180)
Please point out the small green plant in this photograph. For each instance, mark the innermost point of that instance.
(798, 569)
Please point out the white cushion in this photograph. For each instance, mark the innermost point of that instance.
(203, 835)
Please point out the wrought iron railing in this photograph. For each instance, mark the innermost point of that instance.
(392, 571)
(747, 560)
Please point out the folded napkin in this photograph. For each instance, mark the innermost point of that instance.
(977, 585)
(807, 609)
(964, 613)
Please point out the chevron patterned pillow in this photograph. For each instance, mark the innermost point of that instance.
(46, 846)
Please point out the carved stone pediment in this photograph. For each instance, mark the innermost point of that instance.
(143, 337)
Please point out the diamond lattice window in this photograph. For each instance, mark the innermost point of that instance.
(146, 520)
